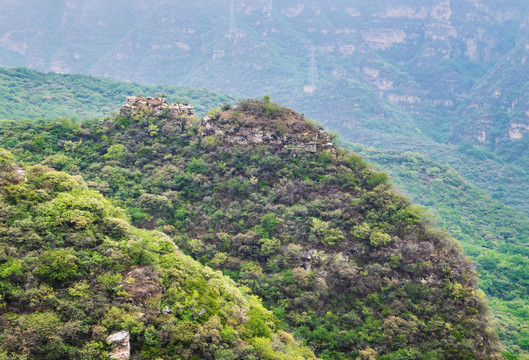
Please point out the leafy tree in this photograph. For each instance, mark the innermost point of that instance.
(115, 152)
(323, 232)
(378, 238)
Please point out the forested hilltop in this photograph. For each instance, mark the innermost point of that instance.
(349, 266)
(433, 70)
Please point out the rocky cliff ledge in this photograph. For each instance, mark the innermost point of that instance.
(157, 106)
(247, 124)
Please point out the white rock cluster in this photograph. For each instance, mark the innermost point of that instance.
(156, 105)
(120, 342)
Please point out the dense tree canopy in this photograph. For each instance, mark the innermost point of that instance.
(349, 265)
(73, 271)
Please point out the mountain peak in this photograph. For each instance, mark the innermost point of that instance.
(260, 122)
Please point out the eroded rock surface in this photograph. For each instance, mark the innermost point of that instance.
(157, 106)
(120, 342)
(289, 129)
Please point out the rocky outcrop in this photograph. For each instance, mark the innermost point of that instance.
(157, 106)
(290, 130)
(518, 130)
(20, 174)
(120, 342)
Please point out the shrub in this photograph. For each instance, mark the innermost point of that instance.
(362, 231)
(57, 266)
(378, 238)
(238, 186)
(356, 162)
(377, 179)
(58, 181)
(59, 161)
(110, 280)
(6, 160)
(255, 325)
(269, 246)
(321, 231)
(115, 152)
(157, 205)
(269, 222)
(196, 166)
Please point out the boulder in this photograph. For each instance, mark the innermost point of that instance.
(120, 342)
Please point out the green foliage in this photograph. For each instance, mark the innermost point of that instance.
(322, 231)
(269, 222)
(115, 152)
(377, 179)
(128, 275)
(378, 238)
(59, 161)
(326, 243)
(109, 280)
(153, 130)
(238, 186)
(256, 327)
(93, 350)
(358, 101)
(6, 160)
(270, 246)
(52, 95)
(196, 166)
(490, 233)
(58, 266)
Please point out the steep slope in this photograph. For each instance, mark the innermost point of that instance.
(260, 193)
(28, 94)
(494, 236)
(73, 271)
(478, 166)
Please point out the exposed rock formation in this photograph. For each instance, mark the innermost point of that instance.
(290, 129)
(20, 174)
(141, 284)
(120, 342)
(518, 130)
(157, 106)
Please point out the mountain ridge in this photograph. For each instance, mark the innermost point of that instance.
(348, 265)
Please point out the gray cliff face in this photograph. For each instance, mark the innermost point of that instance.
(496, 112)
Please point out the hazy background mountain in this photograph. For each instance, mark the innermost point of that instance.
(429, 70)
(445, 79)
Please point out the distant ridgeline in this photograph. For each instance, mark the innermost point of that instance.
(29, 94)
(344, 262)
